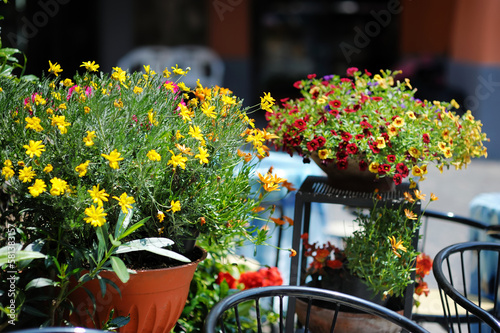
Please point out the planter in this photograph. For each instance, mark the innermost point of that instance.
(343, 281)
(347, 322)
(352, 178)
(154, 299)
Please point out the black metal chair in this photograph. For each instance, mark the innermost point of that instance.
(430, 309)
(59, 330)
(226, 315)
(468, 286)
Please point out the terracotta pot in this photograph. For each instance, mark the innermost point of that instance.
(352, 178)
(154, 299)
(321, 319)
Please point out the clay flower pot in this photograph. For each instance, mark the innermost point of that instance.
(154, 299)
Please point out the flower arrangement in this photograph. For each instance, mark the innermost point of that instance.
(375, 123)
(98, 165)
(381, 252)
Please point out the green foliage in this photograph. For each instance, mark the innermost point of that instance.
(103, 164)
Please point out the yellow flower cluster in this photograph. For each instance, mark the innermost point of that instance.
(50, 123)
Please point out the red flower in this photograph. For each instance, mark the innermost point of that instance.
(351, 71)
(312, 145)
(335, 103)
(342, 164)
(251, 280)
(321, 141)
(224, 276)
(363, 165)
(300, 124)
(359, 137)
(298, 84)
(391, 158)
(346, 136)
(424, 265)
(352, 148)
(334, 112)
(422, 288)
(365, 124)
(335, 264)
(377, 98)
(384, 168)
(426, 138)
(402, 169)
(397, 179)
(311, 76)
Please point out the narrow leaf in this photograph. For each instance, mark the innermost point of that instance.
(40, 283)
(119, 268)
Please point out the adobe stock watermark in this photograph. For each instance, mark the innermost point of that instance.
(372, 29)
(11, 273)
(32, 25)
(222, 7)
(485, 88)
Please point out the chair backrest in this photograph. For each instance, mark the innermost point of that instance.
(468, 286)
(248, 307)
(205, 64)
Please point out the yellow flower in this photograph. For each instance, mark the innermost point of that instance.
(125, 202)
(202, 155)
(267, 102)
(113, 158)
(89, 139)
(177, 160)
(33, 123)
(178, 71)
(398, 122)
(90, 66)
(86, 109)
(373, 168)
(419, 195)
(208, 110)
(185, 150)
(380, 142)
(7, 172)
(408, 197)
(151, 117)
(414, 152)
(61, 123)
(98, 196)
(410, 215)
(119, 75)
(82, 168)
(37, 188)
(59, 186)
(228, 100)
(166, 73)
(153, 155)
(178, 135)
(411, 115)
(195, 132)
(68, 83)
(96, 216)
(434, 197)
(185, 113)
(118, 103)
(54, 68)
(416, 171)
(34, 148)
(160, 216)
(48, 168)
(323, 154)
(26, 174)
(175, 206)
(137, 90)
(397, 246)
(270, 182)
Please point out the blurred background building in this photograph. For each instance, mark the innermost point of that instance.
(448, 48)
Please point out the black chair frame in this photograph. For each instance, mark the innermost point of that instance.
(304, 293)
(442, 270)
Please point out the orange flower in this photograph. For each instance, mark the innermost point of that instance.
(410, 215)
(424, 265)
(397, 246)
(293, 253)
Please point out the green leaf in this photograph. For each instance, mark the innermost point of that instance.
(141, 244)
(167, 253)
(40, 283)
(123, 222)
(101, 243)
(133, 228)
(119, 268)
